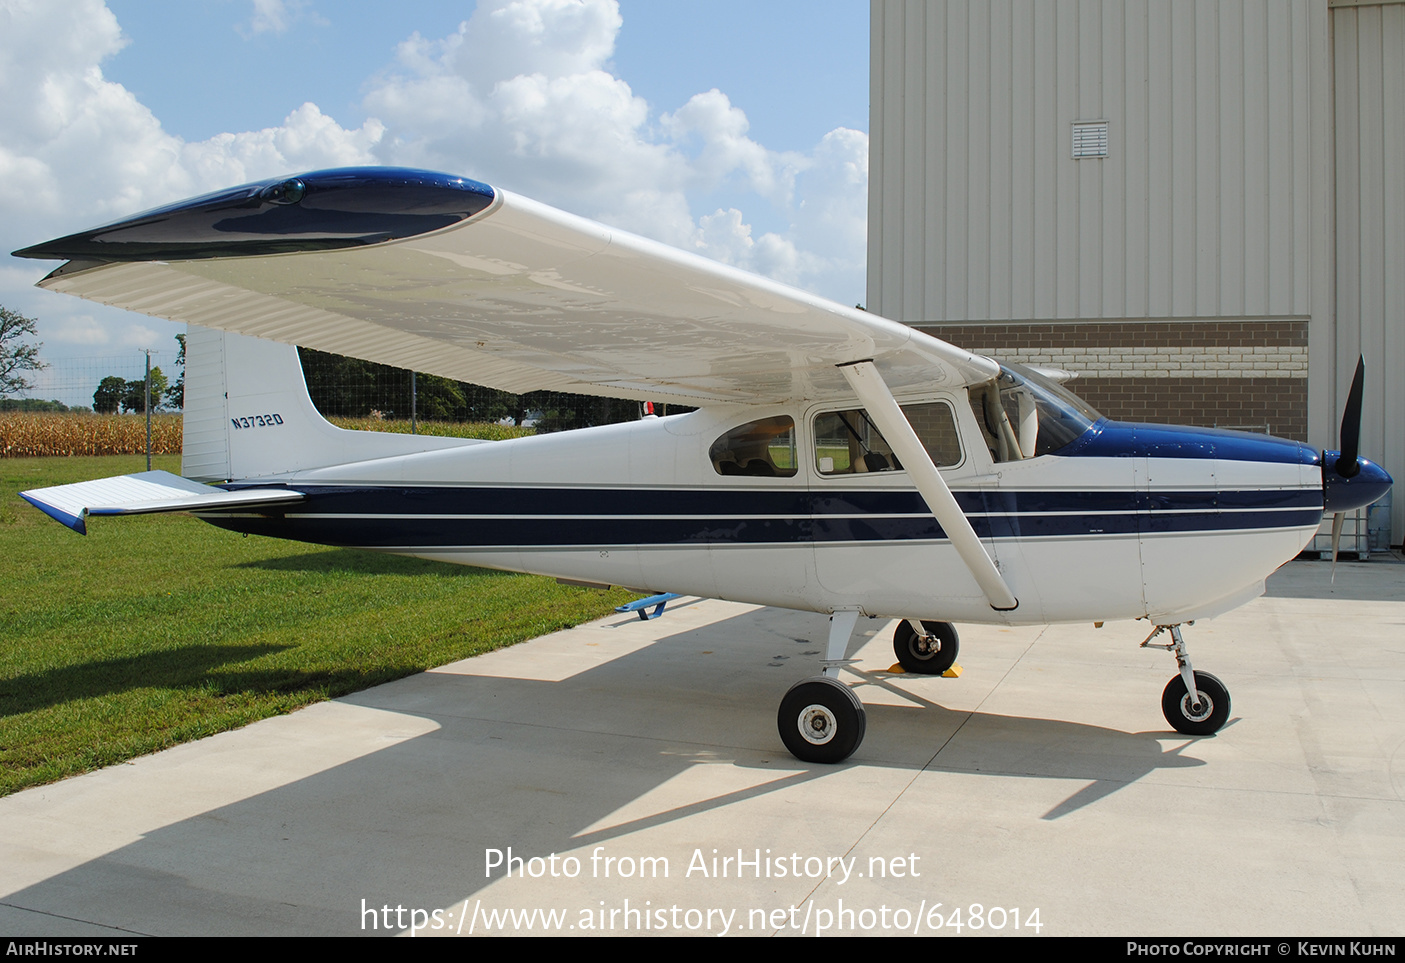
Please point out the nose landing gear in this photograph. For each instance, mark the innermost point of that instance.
(1194, 703)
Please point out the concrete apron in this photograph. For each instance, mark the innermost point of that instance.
(1042, 788)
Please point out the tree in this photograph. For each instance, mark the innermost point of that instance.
(134, 397)
(33, 404)
(16, 355)
(175, 398)
(109, 395)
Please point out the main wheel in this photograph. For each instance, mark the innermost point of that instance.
(821, 720)
(1181, 712)
(921, 655)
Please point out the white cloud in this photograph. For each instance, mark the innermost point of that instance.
(85, 329)
(514, 38)
(833, 215)
(270, 16)
(276, 16)
(79, 148)
(522, 95)
(726, 150)
(17, 274)
(307, 138)
(142, 336)
(80, 329)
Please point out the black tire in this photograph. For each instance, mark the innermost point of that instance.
(821, 720)
(914, 654)
(1176, 705)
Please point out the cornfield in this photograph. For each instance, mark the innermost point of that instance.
(27, 435)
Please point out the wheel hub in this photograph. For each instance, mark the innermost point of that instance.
(817, 725)
(1197, 713)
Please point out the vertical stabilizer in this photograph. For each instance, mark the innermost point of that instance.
(248, 414)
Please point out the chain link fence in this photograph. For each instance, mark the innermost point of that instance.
(348, 388)
(72, 384)
(345, 389)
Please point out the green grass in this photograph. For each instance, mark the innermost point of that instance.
(158, 629)
(488, 431)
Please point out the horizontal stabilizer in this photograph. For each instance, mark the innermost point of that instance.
(145, 493)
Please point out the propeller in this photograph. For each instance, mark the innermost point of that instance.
(1348, 464)
(1337, 520)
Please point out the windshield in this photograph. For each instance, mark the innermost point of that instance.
(1023, 414)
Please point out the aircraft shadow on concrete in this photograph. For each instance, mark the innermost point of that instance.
(551, 767)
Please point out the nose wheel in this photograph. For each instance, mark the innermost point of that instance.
(1202, 715)
(1194, 703)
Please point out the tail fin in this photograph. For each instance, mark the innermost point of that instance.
(248, 414)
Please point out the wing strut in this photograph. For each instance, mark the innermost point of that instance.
(873, 392)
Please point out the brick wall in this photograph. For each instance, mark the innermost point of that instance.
(1243, 374)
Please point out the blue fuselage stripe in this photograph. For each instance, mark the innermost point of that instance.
(467, 517)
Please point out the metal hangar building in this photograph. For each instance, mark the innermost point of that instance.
(1197, 205)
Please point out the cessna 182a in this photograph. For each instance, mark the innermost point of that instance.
(838, 462)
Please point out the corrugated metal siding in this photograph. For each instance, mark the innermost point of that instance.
(1201, 209)
(1368, 46)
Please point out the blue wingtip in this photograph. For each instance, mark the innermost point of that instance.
(75, 522)
(312, 211)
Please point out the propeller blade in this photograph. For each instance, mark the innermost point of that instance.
(1350, 435)
(1337, 520)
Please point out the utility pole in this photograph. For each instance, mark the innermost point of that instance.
(147, 407)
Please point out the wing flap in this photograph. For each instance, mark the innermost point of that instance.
(145, 493)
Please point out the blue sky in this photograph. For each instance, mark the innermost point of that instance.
(798, 69)
(737, 130)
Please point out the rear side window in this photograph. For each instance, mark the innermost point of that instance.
(848, 442)
(760, 449)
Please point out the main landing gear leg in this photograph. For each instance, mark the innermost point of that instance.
(1195, 703)
(820, 719)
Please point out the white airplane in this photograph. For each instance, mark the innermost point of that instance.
(838, 462)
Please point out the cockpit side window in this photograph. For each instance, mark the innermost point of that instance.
(994, 421)
(1023, 414)
(848, 442)
(761, 449)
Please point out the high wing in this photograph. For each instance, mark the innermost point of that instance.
(451, 277)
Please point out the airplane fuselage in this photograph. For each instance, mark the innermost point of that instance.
(1128, 521)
